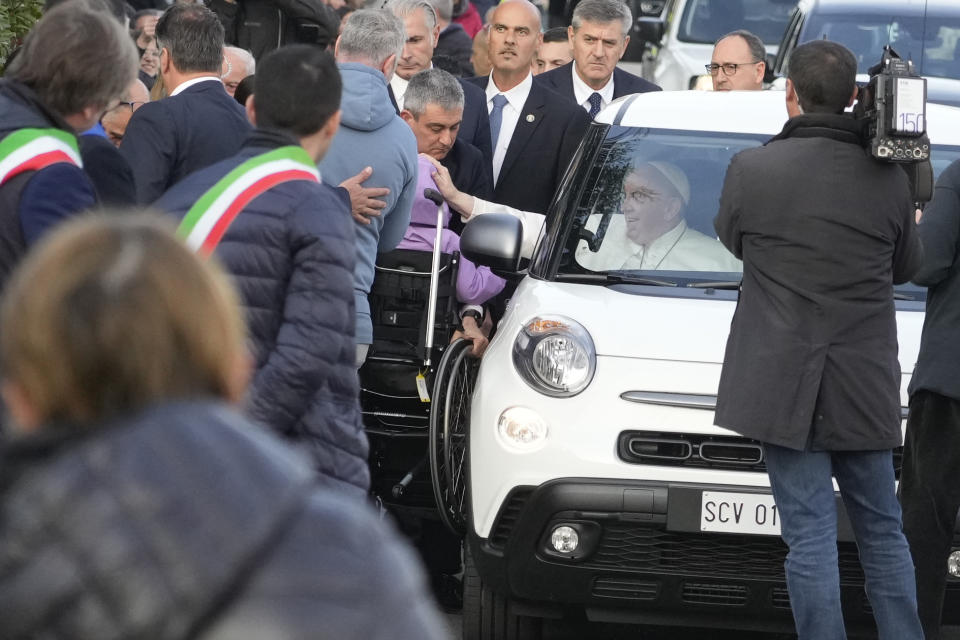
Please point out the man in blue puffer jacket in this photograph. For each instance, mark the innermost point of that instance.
(372, 134)
(287, 239)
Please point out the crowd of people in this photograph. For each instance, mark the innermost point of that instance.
(293, 145)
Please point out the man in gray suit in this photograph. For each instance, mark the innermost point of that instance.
(811, 369)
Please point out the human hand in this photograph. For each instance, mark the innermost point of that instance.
(364, 203)
(334, 4)
(473, 333)
(919, 215)
(460, 201)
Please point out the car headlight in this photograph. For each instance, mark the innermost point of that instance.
(555, 356)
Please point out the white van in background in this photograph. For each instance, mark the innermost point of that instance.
(694, 25)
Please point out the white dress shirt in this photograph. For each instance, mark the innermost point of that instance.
(183, 86)
(583, 91)
(516, 98)
(399, 86)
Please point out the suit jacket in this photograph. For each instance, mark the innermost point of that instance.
(171, 138)
(547, 135)
(811, 360)
(475, 126)
(561, 81)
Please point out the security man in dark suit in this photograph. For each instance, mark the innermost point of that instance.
(535, 132)
(598, 37)
(423, 30)
(199, 124)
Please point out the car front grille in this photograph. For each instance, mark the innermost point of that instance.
(700, 450)
(508, 516)
(641, 548)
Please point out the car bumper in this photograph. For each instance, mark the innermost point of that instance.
(644, 559)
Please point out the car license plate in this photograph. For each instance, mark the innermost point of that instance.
(752, 513)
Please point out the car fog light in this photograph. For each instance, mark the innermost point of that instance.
(521, 427)
(565, 539)
(953, 564)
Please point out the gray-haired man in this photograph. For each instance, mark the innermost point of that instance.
(372, 134)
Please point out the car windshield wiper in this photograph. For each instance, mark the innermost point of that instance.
(614, 278)
(715, 284)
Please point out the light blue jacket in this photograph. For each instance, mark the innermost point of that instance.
(372, 134)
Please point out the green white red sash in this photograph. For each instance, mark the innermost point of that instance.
(208, 219)
(35, 149)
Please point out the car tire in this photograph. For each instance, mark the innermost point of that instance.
(488, 615)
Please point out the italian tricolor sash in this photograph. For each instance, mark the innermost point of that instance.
(208, 219)
(34, 149)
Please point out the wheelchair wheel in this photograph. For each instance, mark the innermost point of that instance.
(449, 420)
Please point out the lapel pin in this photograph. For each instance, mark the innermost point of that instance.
(531, 117)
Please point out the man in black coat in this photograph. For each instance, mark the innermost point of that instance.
(598, 38)
(824, 231)
(929, 489)
(199, 124)
(260, 26)
(534, 130)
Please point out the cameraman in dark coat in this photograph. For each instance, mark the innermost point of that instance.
(929, 488)
(291, 253)
(260, 26)
(811, 370)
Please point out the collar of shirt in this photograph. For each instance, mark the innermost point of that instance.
(183, 86)
(582, 91)
(399, 86)
(516, 97)
(650, 256)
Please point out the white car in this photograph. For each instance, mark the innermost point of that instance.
(596, 483)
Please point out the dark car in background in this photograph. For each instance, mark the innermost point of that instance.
(924, 31)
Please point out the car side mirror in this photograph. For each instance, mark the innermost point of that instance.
(648, 29)
(493, 240)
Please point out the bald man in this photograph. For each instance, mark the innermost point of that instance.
(534, 130)
(738, 62)
(115, 121)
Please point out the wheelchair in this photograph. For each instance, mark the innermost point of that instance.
(416, 388)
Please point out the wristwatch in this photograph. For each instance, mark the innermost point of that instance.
(472, 313)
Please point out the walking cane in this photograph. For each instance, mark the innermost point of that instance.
(434, 196)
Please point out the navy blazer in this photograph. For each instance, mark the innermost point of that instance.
(171, 138)
(624, 83)
(547, 135)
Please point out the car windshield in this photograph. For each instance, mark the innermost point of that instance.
(646, 211)
(707, 20)
(933, 44)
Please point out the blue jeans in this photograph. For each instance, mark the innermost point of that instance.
(802, 488)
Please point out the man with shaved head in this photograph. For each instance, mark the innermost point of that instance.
(115, 120)
(534, 131)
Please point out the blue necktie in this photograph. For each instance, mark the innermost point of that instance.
(496, 118)
(594, 104)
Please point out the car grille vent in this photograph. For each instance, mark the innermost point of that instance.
(630, 547)
(509, 514)
(730, 595)
(779, 598)
(700, 450)
(626, 589)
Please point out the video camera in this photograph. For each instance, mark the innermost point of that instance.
(893, 108)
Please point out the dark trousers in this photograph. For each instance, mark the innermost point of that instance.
(930, 495)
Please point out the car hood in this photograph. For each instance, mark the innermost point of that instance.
(944, 91)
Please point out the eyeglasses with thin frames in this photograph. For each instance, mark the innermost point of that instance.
(729, 68)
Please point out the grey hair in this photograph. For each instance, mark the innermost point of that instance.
(248, 60)
(193, 36)
(432, 86)
(755, 44)
(601, 12)
(404, 8)
(371, 35)
(444, 9)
